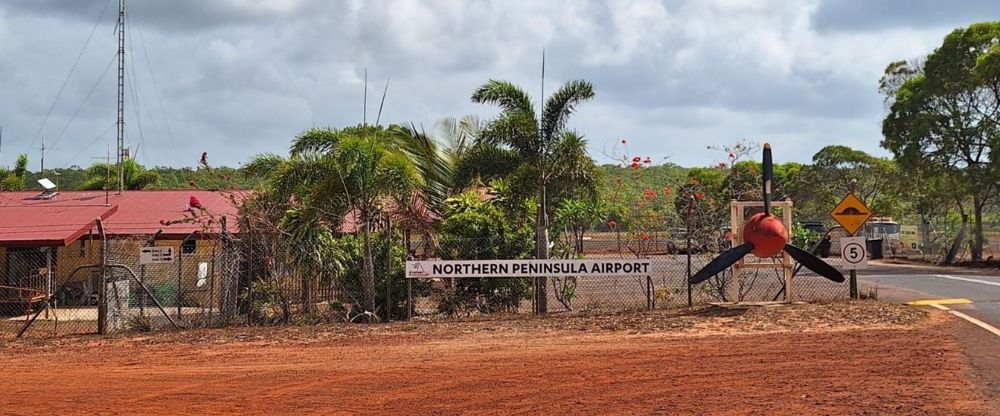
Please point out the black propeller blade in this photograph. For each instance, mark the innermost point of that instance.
(814, 263)
(718, 264)
(767, 170)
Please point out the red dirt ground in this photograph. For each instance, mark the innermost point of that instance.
(480, 368)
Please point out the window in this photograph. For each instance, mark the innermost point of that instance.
(189, 246)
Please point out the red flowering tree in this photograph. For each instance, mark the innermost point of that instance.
(640, 207)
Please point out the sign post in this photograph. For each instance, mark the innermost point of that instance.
(851, 213)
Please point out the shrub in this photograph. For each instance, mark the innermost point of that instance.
(473, 229)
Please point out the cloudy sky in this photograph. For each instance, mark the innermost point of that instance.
(240, 77)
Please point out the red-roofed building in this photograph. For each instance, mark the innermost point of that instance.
(54, 234)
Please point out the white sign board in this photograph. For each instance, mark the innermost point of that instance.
(854, 252)
(527, 268)
(156, 255)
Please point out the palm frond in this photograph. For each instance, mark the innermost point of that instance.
(316, 139)
(515, 129)
(484, 162)
(561, 104)
(570, 157)
(508, 96)
(432, 162)
(261, 165)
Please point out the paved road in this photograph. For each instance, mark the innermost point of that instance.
(904, 283)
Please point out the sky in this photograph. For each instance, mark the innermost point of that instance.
(675, 79)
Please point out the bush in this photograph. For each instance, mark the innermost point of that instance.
(390, 280)
(473, 229)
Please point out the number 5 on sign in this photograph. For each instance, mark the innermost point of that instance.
(854, 252)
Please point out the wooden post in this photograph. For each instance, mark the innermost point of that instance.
(786, 259)
(737, 221)
(736, 225)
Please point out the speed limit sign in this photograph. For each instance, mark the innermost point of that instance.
(854, 253)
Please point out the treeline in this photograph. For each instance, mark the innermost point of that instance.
(160, 177)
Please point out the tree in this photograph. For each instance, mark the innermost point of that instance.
(544, 150)
(15, 179)
(339, 173)
(105, 176)
(836, 166)
(437, 156)
(946, 114)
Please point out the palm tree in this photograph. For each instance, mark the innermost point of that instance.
(437, 155)
(336, 172)
(536, 149)
(105, 176)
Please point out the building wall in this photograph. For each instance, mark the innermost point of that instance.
(162, 279)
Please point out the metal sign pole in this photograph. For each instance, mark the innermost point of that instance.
(854, 273)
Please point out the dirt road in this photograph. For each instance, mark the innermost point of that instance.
(900, 371)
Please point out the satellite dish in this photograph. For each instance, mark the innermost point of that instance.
(47, 184)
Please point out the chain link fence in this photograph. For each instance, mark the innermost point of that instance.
(672, 261)
(263, 278)
(55, 286)
(52, 291)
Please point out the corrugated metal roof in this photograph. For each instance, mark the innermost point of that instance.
(48, 225)
(135, 212)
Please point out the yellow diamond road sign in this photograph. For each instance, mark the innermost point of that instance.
(851, 213)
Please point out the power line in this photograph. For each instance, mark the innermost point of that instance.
(87, 97)
(156, 88)
(69, 75)
(92, 142)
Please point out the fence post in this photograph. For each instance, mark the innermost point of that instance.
(690, 213)
(649, 293)
(102, 298)
(409, 299)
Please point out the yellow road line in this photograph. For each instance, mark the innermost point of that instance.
(992, 329)
(958, 301)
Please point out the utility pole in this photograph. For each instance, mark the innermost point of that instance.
(41, 168)
(121, 96)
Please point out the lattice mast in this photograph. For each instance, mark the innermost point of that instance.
(121, 97)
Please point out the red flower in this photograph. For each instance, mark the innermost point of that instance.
(649, 194)
(732, 156)
(699, 195)
(722, 165)
(644, 237)
(648, 160)
(637, 159)
(667, 191)
(612, 223)
(634, 165)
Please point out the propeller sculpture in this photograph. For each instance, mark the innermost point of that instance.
(766, 236)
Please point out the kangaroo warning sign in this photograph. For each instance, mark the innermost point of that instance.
(527, 268)
(851, 213)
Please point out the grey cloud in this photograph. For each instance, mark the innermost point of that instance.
(672, 77)
(876, 15)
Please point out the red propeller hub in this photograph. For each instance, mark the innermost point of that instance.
(767, 234)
